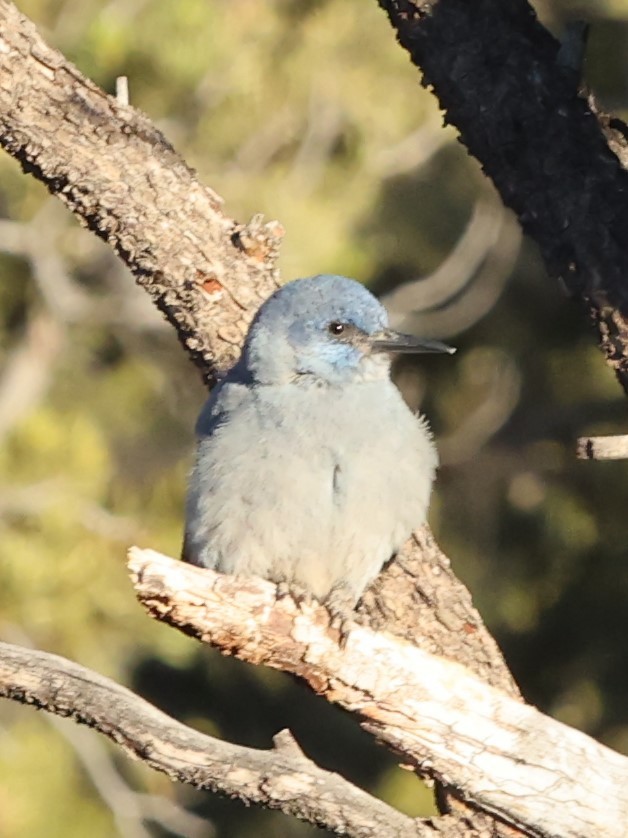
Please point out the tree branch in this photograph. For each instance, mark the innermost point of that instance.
(119, 175)
(282, 778)
(603, 447)
(510, 759)
(500, 77)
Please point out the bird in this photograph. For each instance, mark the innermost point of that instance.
(310, 469)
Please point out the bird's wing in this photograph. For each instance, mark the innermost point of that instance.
(223, 400)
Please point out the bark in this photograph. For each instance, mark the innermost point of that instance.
(281, 778)
(119, 175)
(503, 81)
(418, 597)
(512, 761)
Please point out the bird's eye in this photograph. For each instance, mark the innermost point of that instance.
(336, 327)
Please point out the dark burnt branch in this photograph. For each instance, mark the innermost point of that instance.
(501, 80)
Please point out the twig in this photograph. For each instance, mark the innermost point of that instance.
(468, 282)
(603, 447)
(457, 269)
(28, 369)
(122, 90)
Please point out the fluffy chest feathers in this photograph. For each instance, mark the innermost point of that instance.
(314, 485)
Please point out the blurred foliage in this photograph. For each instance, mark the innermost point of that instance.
(310, 113)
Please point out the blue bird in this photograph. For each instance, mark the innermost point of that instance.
(310, 469)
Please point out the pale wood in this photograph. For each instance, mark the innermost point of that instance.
(280, 778)
(510, 759)
(603, 447)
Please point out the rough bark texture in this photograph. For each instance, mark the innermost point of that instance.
(510, 759)
(499, 76)
(124, 181)
(418, 597)
(282, 778)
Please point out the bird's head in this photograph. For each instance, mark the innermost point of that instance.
(326, 328)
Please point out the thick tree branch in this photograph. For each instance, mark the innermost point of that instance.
(282, 778)
(511, 760)
(418, 597)
(123, 180)
(498, 75)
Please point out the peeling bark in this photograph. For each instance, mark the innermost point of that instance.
(533, 772)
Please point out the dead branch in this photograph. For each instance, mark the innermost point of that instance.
(282, 778)
(504, 84)
(510, 759)
(603, 447)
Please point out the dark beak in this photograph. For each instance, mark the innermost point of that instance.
(391, 341)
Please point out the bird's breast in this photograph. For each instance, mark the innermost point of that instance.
(314, 486)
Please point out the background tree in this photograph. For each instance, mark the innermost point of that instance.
(96, 403)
